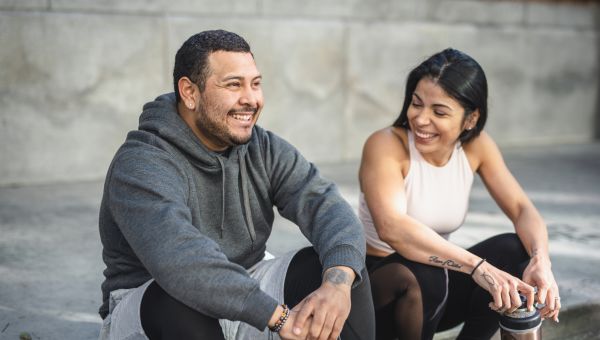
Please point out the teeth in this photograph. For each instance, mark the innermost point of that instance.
(242, 117)
(424, 135)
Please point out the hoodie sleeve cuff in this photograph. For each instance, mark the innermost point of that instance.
(348, 256)
(258, 309)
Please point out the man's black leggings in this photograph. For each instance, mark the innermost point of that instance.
(164, 318)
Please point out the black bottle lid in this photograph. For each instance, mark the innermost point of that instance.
(521, 319)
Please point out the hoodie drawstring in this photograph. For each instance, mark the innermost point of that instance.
(222, 196)
(244, 173)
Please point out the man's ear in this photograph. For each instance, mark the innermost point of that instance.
(188, 91)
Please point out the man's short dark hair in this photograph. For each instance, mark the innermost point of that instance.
(191, 59)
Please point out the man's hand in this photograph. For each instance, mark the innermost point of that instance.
(329, 305)
(286, 332)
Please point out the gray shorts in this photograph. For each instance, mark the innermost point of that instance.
(123, 320)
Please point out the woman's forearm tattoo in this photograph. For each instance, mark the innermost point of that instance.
(489, 279)
(444, 263)
(337, 276)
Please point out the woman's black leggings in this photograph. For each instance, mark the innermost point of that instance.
(414, 300)
(164, 318)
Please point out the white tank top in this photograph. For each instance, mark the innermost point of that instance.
(435, 196)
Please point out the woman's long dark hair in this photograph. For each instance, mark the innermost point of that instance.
(461, 77)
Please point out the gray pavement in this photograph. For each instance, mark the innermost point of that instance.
(50, 254)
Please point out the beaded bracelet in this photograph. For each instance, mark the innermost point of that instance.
(477, 266)
(282, 319)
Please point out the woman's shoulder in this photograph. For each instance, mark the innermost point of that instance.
(386, 149)
(388, 140)
(479, 148)
(385, 155)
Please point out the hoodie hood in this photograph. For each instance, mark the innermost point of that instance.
(160, 118)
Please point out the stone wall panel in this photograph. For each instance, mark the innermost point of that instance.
(303, 77)
(578, 16)
(74, 74)
(72, 87)
(473, 11)
(24, 4)
(181, 7)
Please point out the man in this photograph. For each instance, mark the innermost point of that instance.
(188, 207)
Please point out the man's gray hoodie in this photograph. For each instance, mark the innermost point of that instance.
(194, 220)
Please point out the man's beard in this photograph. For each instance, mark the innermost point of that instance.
(217, 129)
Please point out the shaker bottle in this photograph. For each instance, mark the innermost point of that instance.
(521, 324)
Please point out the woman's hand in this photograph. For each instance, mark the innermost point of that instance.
(503, 287)
(539, 273)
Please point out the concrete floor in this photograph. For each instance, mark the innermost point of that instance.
(50, 253)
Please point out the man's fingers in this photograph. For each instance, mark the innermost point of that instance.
(337, 329)
(298, 307)
(316, 326)
(304, 312)
(327, 328)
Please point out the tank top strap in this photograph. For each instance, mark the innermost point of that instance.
(412, 148)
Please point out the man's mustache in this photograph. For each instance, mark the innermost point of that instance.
(248, 109)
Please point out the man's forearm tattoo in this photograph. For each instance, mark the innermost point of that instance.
(534, 252)
(444, 263)
(337, 276)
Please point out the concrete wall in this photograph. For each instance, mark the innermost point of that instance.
(75, 73)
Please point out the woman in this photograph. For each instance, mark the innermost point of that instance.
(415, 178)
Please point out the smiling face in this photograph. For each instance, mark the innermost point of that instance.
(436, 120)
(231, 102)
